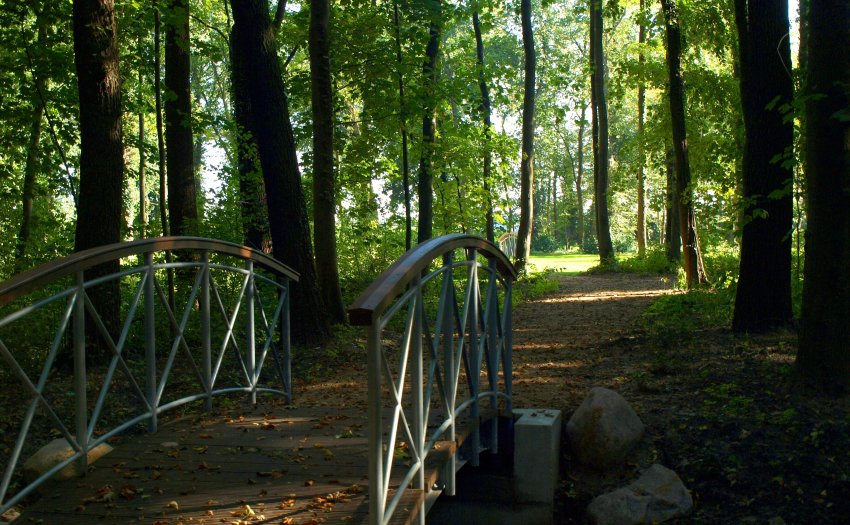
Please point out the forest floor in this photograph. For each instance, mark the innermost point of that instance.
(719, 409)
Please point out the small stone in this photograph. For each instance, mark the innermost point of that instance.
(55, 452)
(657, 496)
(603, 429)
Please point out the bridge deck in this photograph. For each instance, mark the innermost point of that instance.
(296, 466)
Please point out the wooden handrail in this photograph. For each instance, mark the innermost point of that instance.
(24, 283)
(395, 279)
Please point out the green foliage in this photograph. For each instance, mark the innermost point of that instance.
(655, 261)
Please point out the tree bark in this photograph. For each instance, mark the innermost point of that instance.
(425, 182)
(672, 229)
(30, 171)
(763, 295)
(694, 271)
(405, 156)
(823, 358)
(599, 105)
(100, 210)
(526, 192)
(486, 111)
(182, 206)
(324, 195)
(580, 176)
(143, 198)
(254, 44)
(641, 178)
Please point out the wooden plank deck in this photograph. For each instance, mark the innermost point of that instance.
(300, 466)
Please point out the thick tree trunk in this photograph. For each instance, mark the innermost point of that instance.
(599, 105)
(823, 358)
(252, 191)
(101, 149)
(526, 192)
(763, 296)
(489, 227)
(255, 45)
(425, 182)
(672, 229)
(324, 195)
(694, 271)
(641, 178)
(405, 156)
(182, 206)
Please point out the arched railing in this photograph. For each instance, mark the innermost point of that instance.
(224, 327)
(439, 347)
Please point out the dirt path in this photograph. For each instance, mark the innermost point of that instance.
(558, 338)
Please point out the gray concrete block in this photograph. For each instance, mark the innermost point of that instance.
(537, 449)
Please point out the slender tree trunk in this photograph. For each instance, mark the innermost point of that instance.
(695, 273)
(101, 150)
(255, 45)
(823, 358)
(425, 183)
(580, 176)
(486, 111)
(324, 195)
(405, 156)
(641, 179)
(160, 136)
(599, 104)
(526, 192)
(143, 197)
(763, 294)
(30, 171)
(182, 206)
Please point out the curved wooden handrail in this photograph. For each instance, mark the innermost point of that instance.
(380, 294)
(23, 283)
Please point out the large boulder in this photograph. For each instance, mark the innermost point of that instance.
(54, 453)
(603, 429)
(658, 495)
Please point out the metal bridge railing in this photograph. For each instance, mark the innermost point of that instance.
(232, 322)
(454, 357)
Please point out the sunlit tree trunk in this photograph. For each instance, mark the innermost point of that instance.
(641, 178)
(694, 271)
(425, 182)
(763, 294)
(405, 154)
(823, 358)
(485, 115)
(599, 105)
(324, 194)
(526, 195)
(582, 123)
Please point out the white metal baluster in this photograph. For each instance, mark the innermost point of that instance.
(416, 388)
(507, 351)
(377, 493)
(493, 353)
(206, 340)
(150, 342)
(287, 349)
(252, 341)
(80, 419)
(449, 383)
(474, 358)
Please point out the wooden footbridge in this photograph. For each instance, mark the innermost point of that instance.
(88, 372)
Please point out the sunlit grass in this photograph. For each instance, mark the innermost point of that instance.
(565, 264)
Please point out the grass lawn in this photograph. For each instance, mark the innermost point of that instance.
(567, 264)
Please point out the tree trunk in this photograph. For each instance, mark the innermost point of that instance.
(763, 296)
(252, 191)
(580, 176)
(101, 149)
(324, 195)
(694, 272)
(486, 111)
(599, 105)
(182, 207)
(255, 45)
(30, 171)
(425, 183)
(405, 157)
(526, 192)
(143, 198)
(672, 229)
(823, 358)
(641, 179)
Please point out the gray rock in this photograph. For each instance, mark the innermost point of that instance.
(658, 495)
(55, 452)
(603, 429)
